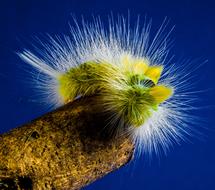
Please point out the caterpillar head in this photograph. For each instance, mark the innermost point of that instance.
(144, 93)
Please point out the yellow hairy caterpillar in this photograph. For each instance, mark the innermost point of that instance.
(134, 95)
(128, 70)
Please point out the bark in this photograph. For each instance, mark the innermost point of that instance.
(68, 148)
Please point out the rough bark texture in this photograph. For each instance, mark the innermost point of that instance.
(64, 149)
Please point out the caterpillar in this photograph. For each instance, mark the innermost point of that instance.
(131, 71)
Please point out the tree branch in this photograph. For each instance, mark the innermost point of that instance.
(65, 149)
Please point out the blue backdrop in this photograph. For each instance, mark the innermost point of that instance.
(190, 166)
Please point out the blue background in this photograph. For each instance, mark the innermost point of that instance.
(190, 166)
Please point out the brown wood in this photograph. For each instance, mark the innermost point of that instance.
(65, 149)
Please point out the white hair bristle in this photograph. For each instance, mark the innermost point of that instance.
(95, 41)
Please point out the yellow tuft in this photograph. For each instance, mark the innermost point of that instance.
(154, 73)
(137, 66)
(63, 87)
(126, 61)
(140, 66)
(161, 93)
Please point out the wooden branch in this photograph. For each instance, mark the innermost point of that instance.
(65, 149)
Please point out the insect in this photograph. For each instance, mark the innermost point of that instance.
(134, 94)
(127, 68)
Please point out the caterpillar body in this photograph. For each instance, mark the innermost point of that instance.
(127, 69)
